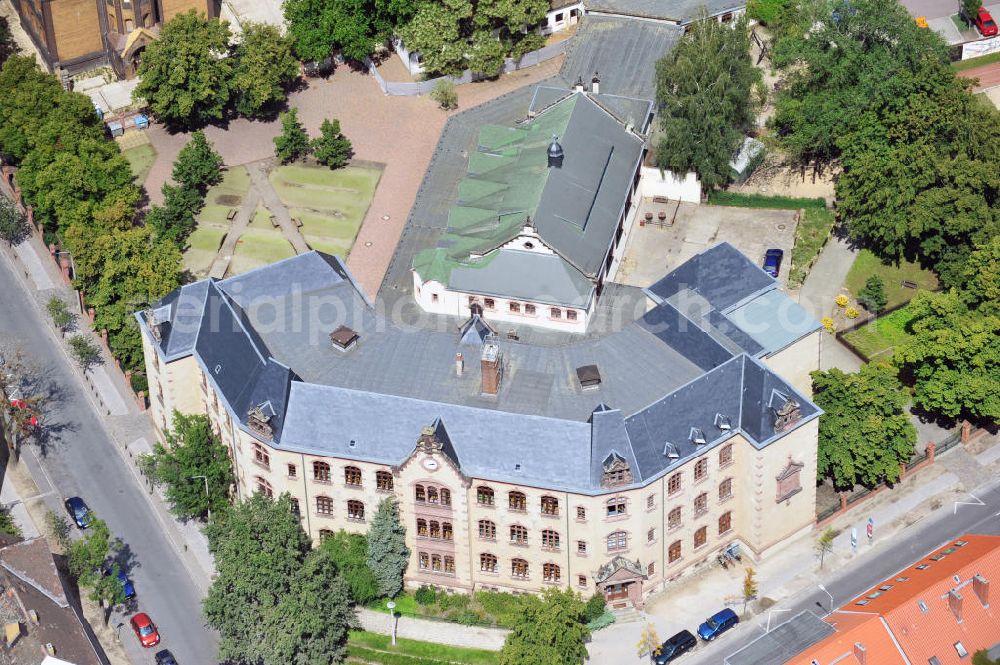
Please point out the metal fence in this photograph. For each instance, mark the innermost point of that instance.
(409, 89)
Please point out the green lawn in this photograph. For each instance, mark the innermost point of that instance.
(257, 248)
(971, 63)
(203, 245)
(331, 204)
(867, 264)
(140, 158)
(879, 338)
(372, 645)
(213, 225)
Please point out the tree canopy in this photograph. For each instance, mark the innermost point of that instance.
(13, 226)
(192, 450)
(274, 600)
(293, 142)
(264, 69)
(388, 554)
(952, 358)
(184, 75)
(349, 551)
(865, 432)
(549, 631)
(703, 92)
(455, 35)
(331, 148)
(354, 27)
(197, 166)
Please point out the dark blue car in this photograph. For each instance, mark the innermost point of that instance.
(717, 624)
(79, 511)
(772, 262)
(127, 585)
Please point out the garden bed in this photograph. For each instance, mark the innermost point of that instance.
(879, 338)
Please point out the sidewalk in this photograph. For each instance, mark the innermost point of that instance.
(796, 567)
(824, 283)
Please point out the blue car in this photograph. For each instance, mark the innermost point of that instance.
(772, 262)
(717, 624)
(127, 585)
(79, 511)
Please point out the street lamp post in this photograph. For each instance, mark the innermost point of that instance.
(395, 619)
(208, 497)
(823, 589)
(118, 632)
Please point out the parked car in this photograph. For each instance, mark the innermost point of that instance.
(717, 624)
(78, 510)
(984, 23)
(674, 648)
(145, 630)
(164, 657)
(127, 585)
(772, 261)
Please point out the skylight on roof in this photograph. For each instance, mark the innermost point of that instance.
(697, 436)
(862, 602)
(923, 566)
(670, 450)
(923, 606)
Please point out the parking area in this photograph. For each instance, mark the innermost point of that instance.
(941, 18)
(652, 250)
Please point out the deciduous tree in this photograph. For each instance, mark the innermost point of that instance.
(952, 358)
(981, 284)
(549, 631)
(198, 166)
(865, 432)
(438, 32)
(192, 450)
(387, 550)
(185, 75)
(13, 227)
(264, 69)
(703, 91)
(349, 551)
(293, 142)
(87, 558)
(331, 148)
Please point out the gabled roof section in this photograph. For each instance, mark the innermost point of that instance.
(575, 208)
(179, 316)
(680, 11)
(608, 437)
(721, 274)
(32, 563)
(475, 331)
(524, 275)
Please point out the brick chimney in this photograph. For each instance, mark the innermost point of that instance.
(981, 587)
(955, 604)
(491, 365)
(860, 653)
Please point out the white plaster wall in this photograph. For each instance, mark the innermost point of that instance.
(552, 25)
(653, 182)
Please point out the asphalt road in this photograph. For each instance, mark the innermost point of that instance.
(864, 572)
(80, 458)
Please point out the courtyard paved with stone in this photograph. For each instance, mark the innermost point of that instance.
(399, 132)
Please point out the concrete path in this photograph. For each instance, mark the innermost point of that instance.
(442, 632)
(236, 228)
(824, 283)
(260, 183)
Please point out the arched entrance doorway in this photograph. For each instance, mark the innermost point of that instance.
(620, 580)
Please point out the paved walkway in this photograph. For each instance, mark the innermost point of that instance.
(442, 632)
(824, 283)
(262, 186)
(236, 228)
(988, 75)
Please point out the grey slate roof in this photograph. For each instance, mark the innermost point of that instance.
(784, 642)
(721, 274)
(371, 401)
(680, 11)
(623, 51)
(524, 275)
(583, 200)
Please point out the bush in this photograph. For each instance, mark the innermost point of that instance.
(602, 621)
(140, 383)
(60, 314)
(349, 552)
(84, 351)
(594, 608)
(504, 607)
(425, 595)
(444, 94)
(448, 601)
(7, 524)
(982, 657)
(467, 617)
(872, 296)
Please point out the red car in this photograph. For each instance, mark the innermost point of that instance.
(985, 23)
(145, 630)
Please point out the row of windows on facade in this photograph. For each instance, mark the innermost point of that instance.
(488, 563)
(324, 504)
(528, 309)
(616, 541)
(321, 471)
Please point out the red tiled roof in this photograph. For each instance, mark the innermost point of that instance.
(911, 610)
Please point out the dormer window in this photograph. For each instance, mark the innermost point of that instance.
(616, 471)
(723, 422)
(670, 450)
(697, 436)
(786, 410)
(343, 338)
(259, 420)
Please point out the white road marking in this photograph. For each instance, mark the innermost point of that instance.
(976, 501)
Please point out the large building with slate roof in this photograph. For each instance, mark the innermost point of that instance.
(613, 462)
(541, 213)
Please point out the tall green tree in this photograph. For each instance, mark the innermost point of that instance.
(192, 451)
(13, 226)
(274, 600)
(387, 550)
(331, 148)
(87, 558)
(318, 27)
(549, 631)
(980, 287)
(175, 220)
(349, 552)
(185, 75)
(865, 432)
(952, 358)
(265, 67)
(293, 142)
(439, 32)
(198, 166)
(703, 91)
